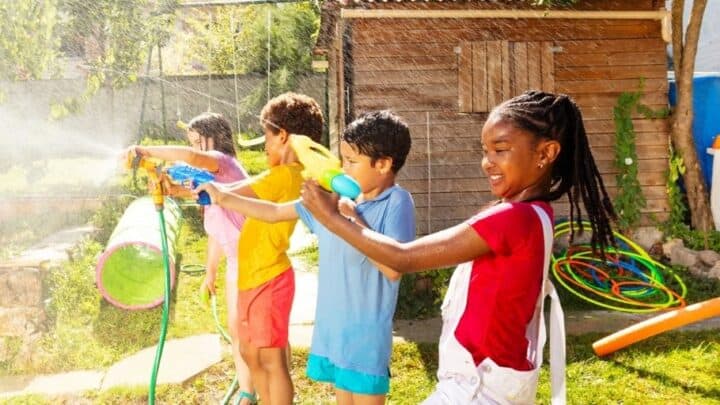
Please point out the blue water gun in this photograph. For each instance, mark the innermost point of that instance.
(186, 174)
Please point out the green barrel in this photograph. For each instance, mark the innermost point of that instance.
(130, 272)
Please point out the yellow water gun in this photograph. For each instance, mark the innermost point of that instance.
(154, 169)
(324, 167)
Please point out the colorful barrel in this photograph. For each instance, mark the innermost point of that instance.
(130, 272)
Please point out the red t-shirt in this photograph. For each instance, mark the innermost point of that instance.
(504, 284)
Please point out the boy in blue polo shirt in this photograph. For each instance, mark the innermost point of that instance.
(352, 339)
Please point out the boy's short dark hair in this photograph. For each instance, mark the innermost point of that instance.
(380, 134)
(295, 113)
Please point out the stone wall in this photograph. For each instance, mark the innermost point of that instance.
(21, 310)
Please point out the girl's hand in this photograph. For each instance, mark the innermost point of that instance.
(320, 203)
(209, 282)
(346, 207)
(213, 190)
(135, 150)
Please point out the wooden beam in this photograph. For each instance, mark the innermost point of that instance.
(663, 16)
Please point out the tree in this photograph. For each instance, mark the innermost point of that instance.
(684, 52)
(237, 40)
(28, 42)
(114, 38)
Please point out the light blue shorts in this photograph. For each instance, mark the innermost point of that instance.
(322, 369)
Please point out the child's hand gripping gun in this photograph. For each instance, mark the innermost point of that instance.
(153, 167)
(186, 174)
(324, 167)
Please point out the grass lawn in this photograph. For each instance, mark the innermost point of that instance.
(84, 332)
(675, 368)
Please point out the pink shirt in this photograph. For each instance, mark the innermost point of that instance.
(224, 225)
(504, 284)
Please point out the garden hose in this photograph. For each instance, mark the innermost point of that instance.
(627, 280)
(166, 308)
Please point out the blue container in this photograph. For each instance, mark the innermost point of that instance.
(706, 123)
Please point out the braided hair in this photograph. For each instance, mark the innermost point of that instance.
(557, 117)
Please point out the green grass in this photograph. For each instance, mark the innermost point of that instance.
(674, 368)
(253, 161)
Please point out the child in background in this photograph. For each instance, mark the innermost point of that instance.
(535, 150)
(213, 149)
(266, 279)
(352, 338)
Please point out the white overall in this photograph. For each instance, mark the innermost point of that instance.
(461, 382)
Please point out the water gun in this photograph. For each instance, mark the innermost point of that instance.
(153, 167)
(323, 166)
(186, 174)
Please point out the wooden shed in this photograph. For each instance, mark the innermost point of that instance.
(442, 65)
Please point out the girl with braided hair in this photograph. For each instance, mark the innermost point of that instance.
(535, 150)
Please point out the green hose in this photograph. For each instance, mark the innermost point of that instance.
(166, 308)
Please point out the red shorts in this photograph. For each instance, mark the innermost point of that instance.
(264, 311)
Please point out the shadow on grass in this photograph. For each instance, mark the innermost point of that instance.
(670, 381)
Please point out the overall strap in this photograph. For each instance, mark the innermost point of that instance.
(557, 320)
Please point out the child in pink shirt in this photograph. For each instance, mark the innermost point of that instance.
(213, 150)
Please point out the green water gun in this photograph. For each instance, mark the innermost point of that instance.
(324, 167)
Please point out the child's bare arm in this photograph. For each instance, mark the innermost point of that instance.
(445, 248)
(201, 159)
(251, 207)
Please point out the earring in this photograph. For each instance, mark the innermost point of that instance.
(541, 165)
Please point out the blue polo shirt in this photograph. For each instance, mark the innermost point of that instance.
(356, 302)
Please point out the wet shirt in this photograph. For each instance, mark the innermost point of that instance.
(222, 224)
(263, 246)
(356, 302)
(504, 284)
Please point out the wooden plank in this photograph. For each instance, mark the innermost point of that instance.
(640, 125)
(574, 47)
(643, 139)
(611, 98)
(442, 200)
(421, 49)
(611, 72)
(610, 58)
(405, 63)
(534, 65)
(440, 157)
(447, 77)
(573, 87)
(465, 77)
(443, 117)
(458, 212)
(401, 104)
(594, 112)
(495, 73)
(479, 77)
(439, 143)
(659, 205)
(468, 184)
(518, 65)
(506, 63)
(607, 167)
(643, 152)
(548, 67)
(403, 90)
(393, 32)
(443, 171)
